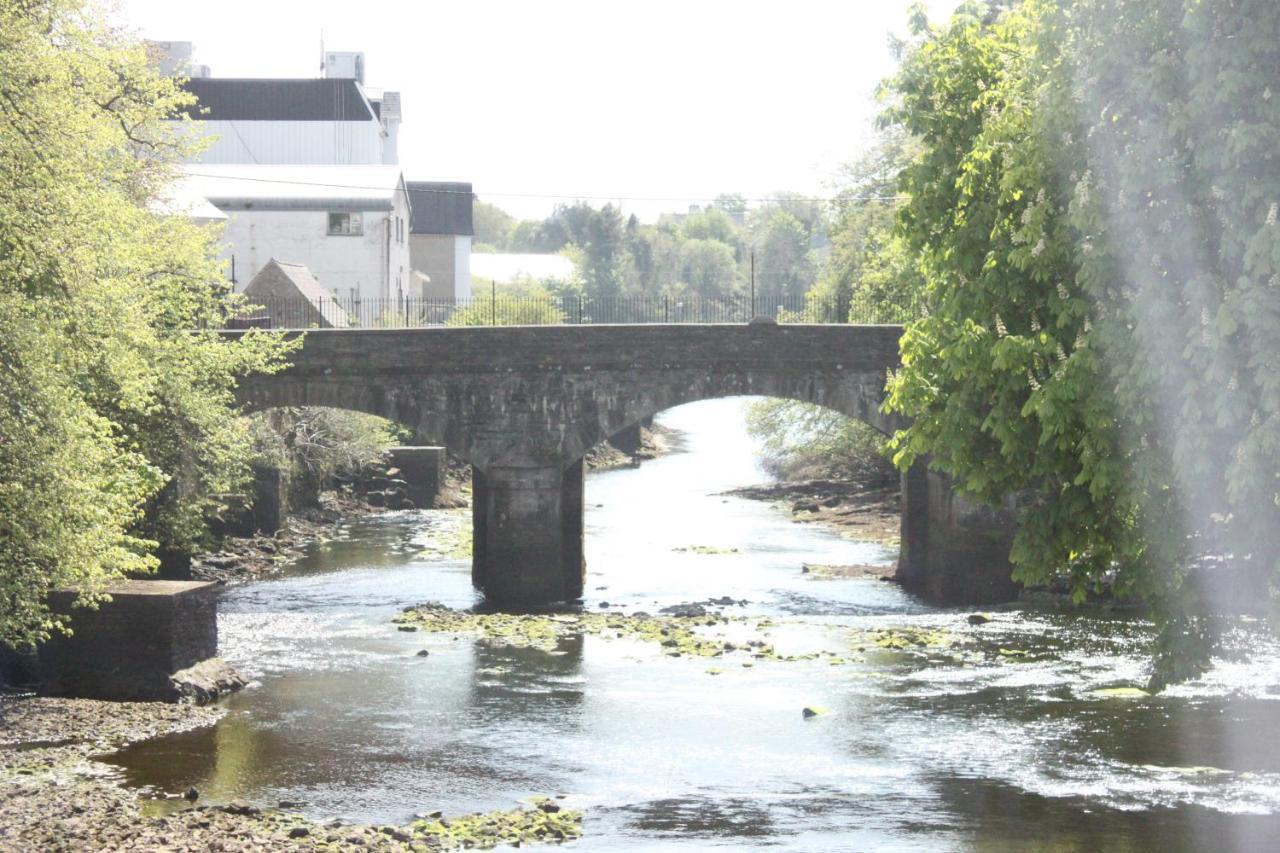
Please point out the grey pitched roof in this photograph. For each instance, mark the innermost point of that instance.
(440, 207)
(266, 99)
(281, 286)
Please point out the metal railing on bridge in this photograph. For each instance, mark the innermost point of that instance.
(497, 310)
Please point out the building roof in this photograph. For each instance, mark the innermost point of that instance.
(274, 99)
(282, 286)
(293, 187)
(440, 207)
(181, 198)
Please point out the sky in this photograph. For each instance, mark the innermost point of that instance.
(654, 106)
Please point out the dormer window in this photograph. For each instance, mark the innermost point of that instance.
(346, 224)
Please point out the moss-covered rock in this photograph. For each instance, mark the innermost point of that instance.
(544, 821)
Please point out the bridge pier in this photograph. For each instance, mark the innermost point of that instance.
(527, 534)
(954, 550)
(629, 439)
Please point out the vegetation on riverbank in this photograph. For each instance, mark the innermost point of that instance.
(117, 423)
(1093, 214)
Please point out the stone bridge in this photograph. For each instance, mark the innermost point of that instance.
(523, 404)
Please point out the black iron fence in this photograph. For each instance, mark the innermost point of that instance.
(496, 310)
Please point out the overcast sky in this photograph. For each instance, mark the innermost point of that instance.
(539, 102)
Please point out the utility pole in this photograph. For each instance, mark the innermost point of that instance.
(752, 312)
(493, 302)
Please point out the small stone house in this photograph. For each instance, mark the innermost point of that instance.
(289, 297)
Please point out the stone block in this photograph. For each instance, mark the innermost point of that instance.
(422, 469)
(270, 499)
(128, 648)
(954, 550)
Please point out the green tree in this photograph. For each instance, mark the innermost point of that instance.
(605, 261)
(116, 418)
(733, 204)
(713, 224)
(512, 305)
(869, 272)
(1094, 216)
(785, 263)
(492, 225)
(707, 269)
(314, 444)
(801, 440)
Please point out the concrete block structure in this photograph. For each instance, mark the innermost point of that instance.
(348, 224)
(423, 468)
(128, 648)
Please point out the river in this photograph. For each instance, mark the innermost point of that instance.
(954, 747)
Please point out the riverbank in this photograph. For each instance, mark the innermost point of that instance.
(869, 512)
(54, 796)
(655, 441)
(242, 559)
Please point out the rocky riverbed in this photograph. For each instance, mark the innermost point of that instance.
(869, 512)
(655, 441)
(53, 796)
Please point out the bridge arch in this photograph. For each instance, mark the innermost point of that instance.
(523, 404)
(860, 400)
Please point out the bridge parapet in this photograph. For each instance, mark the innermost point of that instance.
(542, 393)
(523, 404)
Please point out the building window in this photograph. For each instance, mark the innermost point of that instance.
(346, 224)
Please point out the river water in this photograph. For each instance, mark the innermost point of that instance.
(954, 747)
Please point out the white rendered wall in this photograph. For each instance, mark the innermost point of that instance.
(280, 142)
(462, 267)
(368, 264)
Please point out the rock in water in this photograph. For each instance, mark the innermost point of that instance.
(423, 653)
(684, 610)
(979, 619)
(814, 711)
(207, 681)
(240, 807)
(191, 795)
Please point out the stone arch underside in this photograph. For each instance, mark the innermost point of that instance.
(556, 417)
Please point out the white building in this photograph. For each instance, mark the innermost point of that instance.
(332, 120)
(348, 224)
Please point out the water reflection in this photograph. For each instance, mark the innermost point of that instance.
(990, 740)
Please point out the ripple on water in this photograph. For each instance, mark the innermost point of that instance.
(937, 746)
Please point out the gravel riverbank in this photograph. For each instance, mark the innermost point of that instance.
(55, 797)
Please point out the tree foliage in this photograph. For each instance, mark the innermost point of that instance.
(1094, 214)
(869, 269)
(803, 440)
(513, 305)
(620, 257)
(115, 416)
(316, 443)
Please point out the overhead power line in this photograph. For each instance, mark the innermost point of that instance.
(573, 196)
